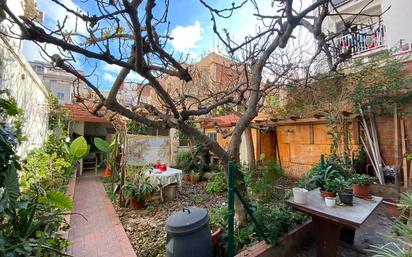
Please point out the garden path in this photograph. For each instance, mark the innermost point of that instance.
(102, 234)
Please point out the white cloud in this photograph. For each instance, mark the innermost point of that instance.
(55, 13)
(186, 38)
(108, 77)
(111, 71)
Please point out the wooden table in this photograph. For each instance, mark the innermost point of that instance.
(334, 223)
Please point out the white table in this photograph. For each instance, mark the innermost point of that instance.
(165, 178)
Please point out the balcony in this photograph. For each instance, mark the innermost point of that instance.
(339, 2)
(365, 40)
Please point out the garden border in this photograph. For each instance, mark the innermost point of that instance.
(70, 193)
(288, 244)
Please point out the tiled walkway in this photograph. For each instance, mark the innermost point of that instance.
(102, 235)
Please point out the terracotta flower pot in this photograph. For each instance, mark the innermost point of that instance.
(135, 204)
(327, 194)
(186, 177)
(391, 208)
(215, 238)
(361, 191)
(194, 178)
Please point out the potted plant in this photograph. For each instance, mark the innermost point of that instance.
(360, 185)
(217, 221)
(194, 177)
(319, 179)
(138, 191)
(344, 189)
(186, 177)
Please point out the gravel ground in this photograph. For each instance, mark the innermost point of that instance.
(145, 228)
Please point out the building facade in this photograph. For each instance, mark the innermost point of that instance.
(383, 25)
(60, 83)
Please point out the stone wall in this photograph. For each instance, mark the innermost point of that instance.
(17, 76)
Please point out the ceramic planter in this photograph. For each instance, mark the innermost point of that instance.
(136, 204)
(361, 191)
(194, 178)
(391, 208)
(186, 177)
(300, 195)
(330, 201)
(215, 238)
(327, 194)
(346, 197)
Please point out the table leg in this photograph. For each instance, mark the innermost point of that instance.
(347, 235)
(161, 195)
(327, 237)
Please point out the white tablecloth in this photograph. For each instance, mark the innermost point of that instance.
(165, 178)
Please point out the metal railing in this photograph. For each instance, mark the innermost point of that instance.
(365, 40)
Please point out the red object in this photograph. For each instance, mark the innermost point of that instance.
(106, 172)
(157, 165)
(162, 167)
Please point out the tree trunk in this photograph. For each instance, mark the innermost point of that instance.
(250, 150)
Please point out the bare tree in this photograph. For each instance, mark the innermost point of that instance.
(126, 33)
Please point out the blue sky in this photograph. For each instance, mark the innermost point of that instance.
(190, 27)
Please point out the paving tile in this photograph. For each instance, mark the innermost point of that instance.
(101, 235)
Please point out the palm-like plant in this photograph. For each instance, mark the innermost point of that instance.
(401, 244)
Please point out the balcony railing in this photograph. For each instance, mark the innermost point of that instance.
(365, 40)
(339, 2)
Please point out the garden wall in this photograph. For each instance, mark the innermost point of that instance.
(301, 144)
(17, 76)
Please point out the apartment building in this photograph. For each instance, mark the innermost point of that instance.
(58, 81)
(385, 26)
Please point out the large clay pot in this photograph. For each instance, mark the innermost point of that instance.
(215, 238)
(194, 178)
(135, 204)
(186, 177)
(361, 191)
(327, 194)
(391, 208)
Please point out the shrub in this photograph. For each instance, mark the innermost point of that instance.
(183, 159)
(48, 171)
(262, 187)
(196, 159)
(217, 184)
(277, 220)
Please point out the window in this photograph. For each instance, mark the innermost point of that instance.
(60, 95)
(39, 68)
(212, 135)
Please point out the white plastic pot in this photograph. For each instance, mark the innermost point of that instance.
(300, 195)
(330, 201)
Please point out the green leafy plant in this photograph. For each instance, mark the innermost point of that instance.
(197, 198)
(261, 184)
(400, 244)
(197, 159)
(337, 184)
(320, 177)
(277, 220)
(217, 184)
(78, 148)
(218, 217)
(139, 189)
(362, 179)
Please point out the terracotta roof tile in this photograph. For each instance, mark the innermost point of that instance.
(78, 112)
(221, 121)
